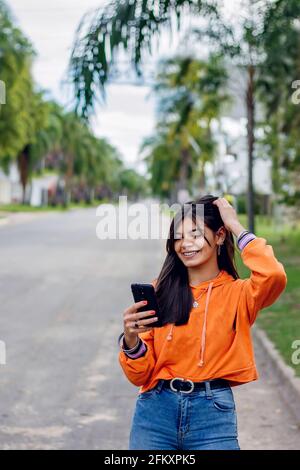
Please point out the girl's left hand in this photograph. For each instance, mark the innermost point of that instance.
(228, 215)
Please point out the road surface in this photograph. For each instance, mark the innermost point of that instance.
(62, 294)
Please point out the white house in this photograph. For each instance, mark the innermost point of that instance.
(10, 187)
(36, 191)
(229, 171)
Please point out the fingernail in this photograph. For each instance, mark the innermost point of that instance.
(153, 312)
(144, 302)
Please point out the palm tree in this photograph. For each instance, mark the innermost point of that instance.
(35, 119)
(242, 43)
(280, 70)
(190, 95)
(16, 55)
(162, 158)
(76, 145)
(131, 24)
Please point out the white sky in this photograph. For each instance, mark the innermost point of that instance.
(128, 116)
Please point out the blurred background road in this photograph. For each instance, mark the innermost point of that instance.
(62, 294)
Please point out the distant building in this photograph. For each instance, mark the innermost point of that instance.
(37, 191)
(10, 187)
(229, 171)
(41, 188)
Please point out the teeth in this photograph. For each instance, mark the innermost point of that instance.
(190, 253)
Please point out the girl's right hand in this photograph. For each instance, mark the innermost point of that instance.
(132, 316)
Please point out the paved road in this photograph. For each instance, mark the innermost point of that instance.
(62, 293)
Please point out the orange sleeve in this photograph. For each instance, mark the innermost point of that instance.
(268, 278)
(138, 371)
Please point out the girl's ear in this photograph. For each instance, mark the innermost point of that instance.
(222, 232)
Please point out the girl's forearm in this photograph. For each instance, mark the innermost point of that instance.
(236, 228)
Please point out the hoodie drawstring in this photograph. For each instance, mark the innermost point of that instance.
(170, 334)
(203, 336)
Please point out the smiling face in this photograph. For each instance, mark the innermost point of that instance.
(192, 246)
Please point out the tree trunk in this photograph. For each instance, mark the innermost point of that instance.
(202, 181)
(250, 102)
(183, 171)
(182, 187)
(68, 180)
(23, 166)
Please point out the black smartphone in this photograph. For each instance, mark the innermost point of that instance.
(146, 292)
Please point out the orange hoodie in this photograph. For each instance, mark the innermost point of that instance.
(216, 342)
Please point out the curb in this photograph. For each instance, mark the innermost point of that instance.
(15, 218)
(289, 384)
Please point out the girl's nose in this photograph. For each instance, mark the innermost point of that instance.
(187, 243)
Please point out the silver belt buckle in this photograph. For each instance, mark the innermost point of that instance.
(184, 380)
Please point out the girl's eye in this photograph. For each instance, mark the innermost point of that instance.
(180, 237)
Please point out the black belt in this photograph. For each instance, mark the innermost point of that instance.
(187, 386)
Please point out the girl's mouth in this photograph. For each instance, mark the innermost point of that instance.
(190, 254)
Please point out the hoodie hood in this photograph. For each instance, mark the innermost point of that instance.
(198, 292)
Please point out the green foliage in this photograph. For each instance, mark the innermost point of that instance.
(190, 95)
(130, 25)
(16, 127)
(34, 131)
(281, 66)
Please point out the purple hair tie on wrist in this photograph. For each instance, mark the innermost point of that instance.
(242, 234)
(134, 353)
(124, 346)
(245, 239)
(139, 353)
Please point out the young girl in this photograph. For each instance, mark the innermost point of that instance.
(185, 369)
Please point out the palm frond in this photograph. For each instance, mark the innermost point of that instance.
(131, 24)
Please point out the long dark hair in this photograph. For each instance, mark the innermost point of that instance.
(173, 292)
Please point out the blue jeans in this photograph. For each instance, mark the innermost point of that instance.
(167, 420)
